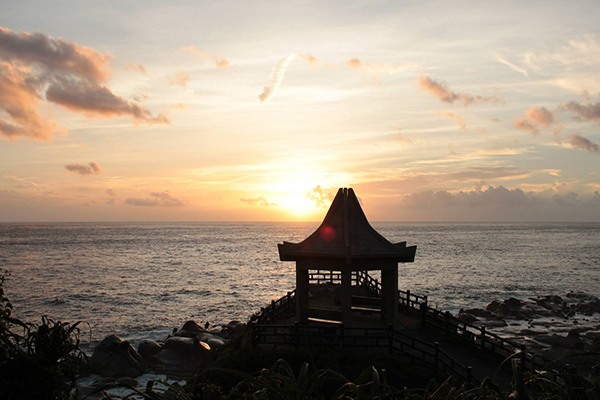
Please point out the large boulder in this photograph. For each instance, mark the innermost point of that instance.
(180, 357)
(115, 357)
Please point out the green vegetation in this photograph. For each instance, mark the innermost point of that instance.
(42, 362)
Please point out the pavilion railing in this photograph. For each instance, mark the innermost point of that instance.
(393, 341)
(409, 303)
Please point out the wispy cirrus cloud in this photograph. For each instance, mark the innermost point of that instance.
(36, 68)
(219, 62)
(440, 90)
(276, 78)
(84, 170)
(460, 120)
(504, 61)
(379, 69)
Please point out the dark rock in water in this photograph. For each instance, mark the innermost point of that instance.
(180, 357)
(115, 357)
(494, 306)
(478, 312)
(148, 348)
(464, 316)
(192, 326)
(234, 327)
(495, 323)
(571, 341)
(513, 303)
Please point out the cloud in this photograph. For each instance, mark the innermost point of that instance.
(276, 78)
(496, 120)
(309, 58)
(36, 68)
(157, 199)
(136, 68)
(440, 90)
(111, 202)
(461, 121)
(584, 51)
(258, 201)
(589, 112)
(582, 143)
(180, 79)
(379, 69)
(535, 117)
(53, 54)
(83, 170)
(93, 100)
(20, 98)
(220, 62)
(490, 197)
(400, 138)
(511, 65)
(319, 197)
(110, 192)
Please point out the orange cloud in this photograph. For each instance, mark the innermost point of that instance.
(35, 68)
(535, 117)
(461, 121)
(136, 67)
(157, 199)
(19, 98)
(385, 69)
(220, 62)
(83, 170)
(181, 79)
(55, 55)
(445, 95)
(260, 201)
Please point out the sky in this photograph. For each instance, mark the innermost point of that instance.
(261, 110)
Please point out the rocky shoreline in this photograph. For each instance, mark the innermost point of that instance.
(180, 355)
(552, 325)
(555, 326)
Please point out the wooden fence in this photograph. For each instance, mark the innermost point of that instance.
(390, 340)
(443, 322)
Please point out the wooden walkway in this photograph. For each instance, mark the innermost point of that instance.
(451, 346)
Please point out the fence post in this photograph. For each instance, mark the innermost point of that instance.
(272, 311)
(391, 339)
(436, 358)
(423, 307)
(483, 338)
(408, 300)
(469, 374)
(447, 322)
(296, 335)
(425, 299)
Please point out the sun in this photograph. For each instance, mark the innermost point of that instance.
(298, 206)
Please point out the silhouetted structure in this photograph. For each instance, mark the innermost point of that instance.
(346, 242)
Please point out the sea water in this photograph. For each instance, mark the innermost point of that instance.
(141, 280)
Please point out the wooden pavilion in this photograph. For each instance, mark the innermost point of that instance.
(346, 242)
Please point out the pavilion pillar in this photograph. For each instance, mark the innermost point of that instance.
(301, 295)
(389, 294)
(347, 296)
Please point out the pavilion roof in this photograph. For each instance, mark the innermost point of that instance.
(346, 233)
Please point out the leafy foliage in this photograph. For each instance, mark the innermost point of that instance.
(37, 361)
